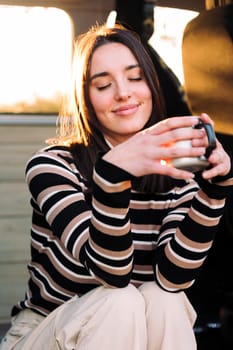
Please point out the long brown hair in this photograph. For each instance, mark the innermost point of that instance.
(78, 126)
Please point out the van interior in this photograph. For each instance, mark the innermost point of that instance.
(205, 85)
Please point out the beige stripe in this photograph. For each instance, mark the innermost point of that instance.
(228, 182)
(50, 191)
(35, 307)
(45, 294)
(147, 246)
(138, 205)
(202, 219)
(61, 204)
(185, 264)
(111, 230)
(110, 187)
(109, 254)
(171, 286)
(42, 230)
(117, 271)
(109, 211)
(144, 228)
(189, 196)
(176, 216)
(143, 268)
(50, 169)
(79, 243)
(215, 203)
(73, 224)
(192, 244)
(67, 273)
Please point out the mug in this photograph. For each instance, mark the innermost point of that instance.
(195, 164)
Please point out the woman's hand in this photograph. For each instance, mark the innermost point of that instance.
(220, 162)
(147, 151)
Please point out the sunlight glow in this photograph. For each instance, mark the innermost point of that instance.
(36, 49)
(35, 53)
(169, 25)
(111, 20)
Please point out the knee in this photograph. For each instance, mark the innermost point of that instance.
(166, 302)
(127, 300)
(151, 291)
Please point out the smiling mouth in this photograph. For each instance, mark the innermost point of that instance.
(125, 110)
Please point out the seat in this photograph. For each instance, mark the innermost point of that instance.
(207, 51)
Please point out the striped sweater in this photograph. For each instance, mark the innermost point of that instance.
(123, 237)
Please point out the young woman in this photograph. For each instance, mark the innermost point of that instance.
(117, 232)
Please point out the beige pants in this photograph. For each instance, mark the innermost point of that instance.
(146, 318)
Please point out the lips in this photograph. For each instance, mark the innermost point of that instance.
(125, 110)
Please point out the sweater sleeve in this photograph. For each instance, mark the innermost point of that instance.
(97, 236)
(188, 232)
(109, 251)
(218, 187)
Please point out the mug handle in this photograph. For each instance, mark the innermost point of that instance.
(210, 134)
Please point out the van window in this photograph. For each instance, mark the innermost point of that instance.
(35, 58)
(169, 24)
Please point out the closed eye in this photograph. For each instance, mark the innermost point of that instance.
(135, 79)
(103, 87)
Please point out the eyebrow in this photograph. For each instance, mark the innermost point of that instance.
(104, 74)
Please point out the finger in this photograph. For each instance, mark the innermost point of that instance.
(172, 123)
(180, 152)
(200, 141)
(218, 154)
(213, 172)
(205, 118)
(216, 157)
(168, 137)
(167, 169)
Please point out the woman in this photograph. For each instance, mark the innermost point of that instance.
(117, 233)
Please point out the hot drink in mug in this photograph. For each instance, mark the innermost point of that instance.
(195, 164)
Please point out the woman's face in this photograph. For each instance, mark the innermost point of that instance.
(118, 92)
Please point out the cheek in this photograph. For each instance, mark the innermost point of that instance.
(147, 93)
(148, 98)
(99, 103)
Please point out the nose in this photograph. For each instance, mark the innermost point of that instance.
(123, 90)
